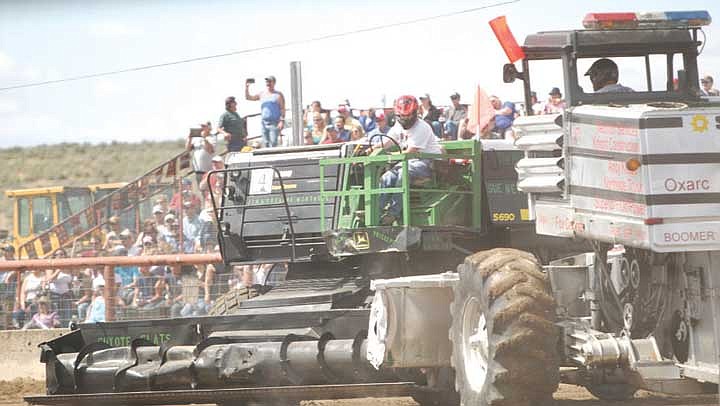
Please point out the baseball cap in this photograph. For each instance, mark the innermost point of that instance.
(380, 115)
(342, 108)
(602, 64)
(271, 78)
(125, 233)
(119, 250)
(169, 217)
(230, 99)
(455, 96)
(157, 209)
(330, 128)
(217, 158)
(555, 92)
(114, 220)
(424, 96)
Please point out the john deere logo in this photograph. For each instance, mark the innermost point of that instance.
(699, 123)
(361, 240)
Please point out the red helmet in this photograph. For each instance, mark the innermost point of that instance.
(406, 105)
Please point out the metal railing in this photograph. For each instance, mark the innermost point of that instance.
(85, 222)
(111, 289)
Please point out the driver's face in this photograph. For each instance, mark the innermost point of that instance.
(595, 82)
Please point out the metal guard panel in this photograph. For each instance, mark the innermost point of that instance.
(349, 242)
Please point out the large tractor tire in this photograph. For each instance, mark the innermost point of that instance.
(229, 303)
(503, 333)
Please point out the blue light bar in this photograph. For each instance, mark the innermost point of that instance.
(689, 18)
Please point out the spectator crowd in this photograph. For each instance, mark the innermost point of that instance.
(179, 222)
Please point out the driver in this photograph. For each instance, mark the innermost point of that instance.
(413, 135)
(604, 77)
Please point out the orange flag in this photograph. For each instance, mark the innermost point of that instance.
(481, 112)
(513, 51)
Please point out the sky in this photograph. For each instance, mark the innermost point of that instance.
(51, 39)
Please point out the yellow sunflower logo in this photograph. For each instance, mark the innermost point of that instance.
(699, 123)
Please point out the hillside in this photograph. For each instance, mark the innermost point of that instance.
(77, 165)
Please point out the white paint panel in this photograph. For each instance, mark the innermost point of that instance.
(606, 174)
(684, 210)
(700, 132)
(554, 219)
(614, 229)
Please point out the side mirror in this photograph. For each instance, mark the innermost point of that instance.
(510, 73)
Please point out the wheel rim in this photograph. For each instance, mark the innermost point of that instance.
(475, 344)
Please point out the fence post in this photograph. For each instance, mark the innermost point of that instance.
(109, 293)
(18, 289)
(181, 206)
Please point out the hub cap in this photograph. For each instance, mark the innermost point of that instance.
(475, 344)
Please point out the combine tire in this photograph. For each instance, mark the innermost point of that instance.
(503, 335)
(229, 303)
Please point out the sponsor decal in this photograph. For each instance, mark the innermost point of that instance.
(622, 185)
(627, 232)
(361, 239)
(689, 236)
(124, 341)
(499, 217)
(387, 239)
(261, 181)
(699, 123)
(524, 214)
(686, 185)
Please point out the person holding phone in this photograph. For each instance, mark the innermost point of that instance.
(232, 126)
(272, 110)
(202, 147)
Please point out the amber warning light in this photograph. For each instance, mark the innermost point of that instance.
(506, 39)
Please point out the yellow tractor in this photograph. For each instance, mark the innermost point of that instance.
(36, 210)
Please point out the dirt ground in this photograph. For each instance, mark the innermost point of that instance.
(11, 393)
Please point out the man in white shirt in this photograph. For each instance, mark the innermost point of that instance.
(202, 146)
(413, 135)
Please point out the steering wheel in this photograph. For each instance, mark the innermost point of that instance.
(381, 136)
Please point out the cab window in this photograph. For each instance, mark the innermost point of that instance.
(23, 205)
(72, 203)
(42, 212)
(634, 73)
